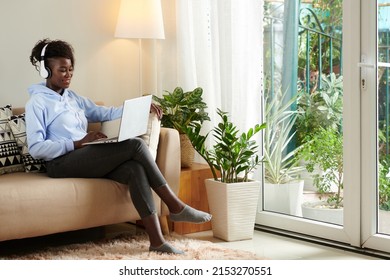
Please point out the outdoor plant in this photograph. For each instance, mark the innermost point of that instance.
(320, 109)
(325, 150)
(331, 101)
(384, 184)
(233, 155)
(280, 161)
(182, 109)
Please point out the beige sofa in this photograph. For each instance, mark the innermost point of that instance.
(32, 204)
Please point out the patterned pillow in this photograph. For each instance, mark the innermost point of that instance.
(10, 159)
(18, 127)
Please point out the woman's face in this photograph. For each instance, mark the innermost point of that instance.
(61, 73)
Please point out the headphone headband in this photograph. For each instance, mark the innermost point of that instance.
(43, 52)
(43, 70)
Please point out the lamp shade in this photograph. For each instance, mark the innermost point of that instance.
(140, 19)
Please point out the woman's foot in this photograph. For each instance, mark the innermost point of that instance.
(166, 248)
(190, 215)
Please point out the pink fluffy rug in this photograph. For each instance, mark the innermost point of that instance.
(135, 247)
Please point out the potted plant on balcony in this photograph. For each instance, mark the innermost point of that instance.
(325, 149)
(384, 183)
(383, 189)
(232, 196)
(283, 190)
(180, 110)
(322, 108)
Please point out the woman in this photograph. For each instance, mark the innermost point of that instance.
(57, 119)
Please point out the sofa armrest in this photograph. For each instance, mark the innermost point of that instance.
(168, 159)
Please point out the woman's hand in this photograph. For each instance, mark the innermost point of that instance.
(157, 109)
(91, 136)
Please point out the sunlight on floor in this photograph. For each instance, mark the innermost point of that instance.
(276, 247)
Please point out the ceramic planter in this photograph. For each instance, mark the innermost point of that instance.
(308, 180)
(284, 198)
(319, 212)
(233, 207)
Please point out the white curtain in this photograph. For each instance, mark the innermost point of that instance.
(219, 48)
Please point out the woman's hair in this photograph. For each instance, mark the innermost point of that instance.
(55, 48)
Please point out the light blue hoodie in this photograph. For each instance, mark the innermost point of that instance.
(53, 121)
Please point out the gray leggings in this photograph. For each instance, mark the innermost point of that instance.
(128, 162)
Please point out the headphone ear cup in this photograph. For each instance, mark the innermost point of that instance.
(48, 72)
(44, 71)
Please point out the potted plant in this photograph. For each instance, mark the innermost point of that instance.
(384, 189)
(322, 108)
(325, 149)
(384, 183)
(180, 110)
(283, 190)
(232, 196)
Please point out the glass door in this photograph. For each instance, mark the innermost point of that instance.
(383, 113)
(364, 66)
(307, 119)
(375, 70)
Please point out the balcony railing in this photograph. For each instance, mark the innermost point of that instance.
(319, 51)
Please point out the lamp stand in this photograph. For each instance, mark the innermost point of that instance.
(140, 66)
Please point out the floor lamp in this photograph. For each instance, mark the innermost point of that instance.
(140, 19)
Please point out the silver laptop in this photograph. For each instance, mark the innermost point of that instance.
(133, 123)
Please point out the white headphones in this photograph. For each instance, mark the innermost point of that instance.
(43, 70)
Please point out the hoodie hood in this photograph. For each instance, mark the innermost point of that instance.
(41, 88)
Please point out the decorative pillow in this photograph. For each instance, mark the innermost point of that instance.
(10, 159)
(18, 127)
(152, 135)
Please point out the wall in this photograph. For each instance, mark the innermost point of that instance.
(106, 68)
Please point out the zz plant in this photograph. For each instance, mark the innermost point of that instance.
(233, 155)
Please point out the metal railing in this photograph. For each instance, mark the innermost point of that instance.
(316, 53)
(318, 46)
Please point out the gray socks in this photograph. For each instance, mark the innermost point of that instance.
(166, 248)
(190, 215)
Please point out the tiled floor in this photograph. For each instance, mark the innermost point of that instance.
(277, 247)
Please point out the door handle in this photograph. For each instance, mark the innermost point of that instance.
(363, 65)
(367, 65)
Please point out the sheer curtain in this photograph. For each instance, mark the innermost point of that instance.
(219, 48)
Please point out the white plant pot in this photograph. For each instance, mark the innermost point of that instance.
(284, 198)
(309, 181)
(307, 177)
(233, 207)
(319, 212)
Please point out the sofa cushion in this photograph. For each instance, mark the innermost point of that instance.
(17, 124)
(10, 158)
(32, 204)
